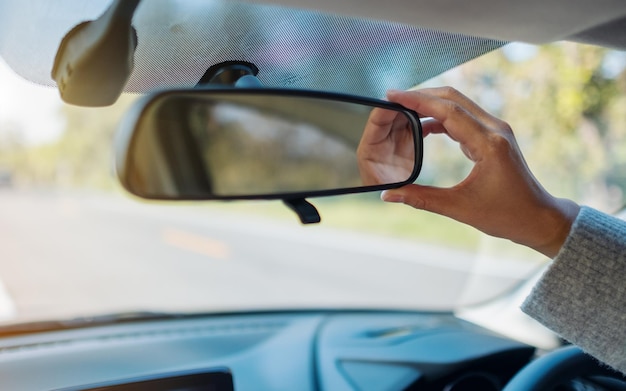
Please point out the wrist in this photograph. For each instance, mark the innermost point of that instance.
(555, 226)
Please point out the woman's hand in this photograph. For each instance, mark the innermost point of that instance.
(500, 196)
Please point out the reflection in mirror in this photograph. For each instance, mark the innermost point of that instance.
(206, 145)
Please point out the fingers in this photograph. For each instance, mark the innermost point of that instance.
(452, 95)
(454, 114)
(431, 199)
(432, 126)
(382, 117)
(378, 125)
(458, 122)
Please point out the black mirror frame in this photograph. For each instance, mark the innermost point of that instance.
(125, 139)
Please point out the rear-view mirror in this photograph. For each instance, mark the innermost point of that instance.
(263, 143)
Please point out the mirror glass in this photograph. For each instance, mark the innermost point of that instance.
(205, 144)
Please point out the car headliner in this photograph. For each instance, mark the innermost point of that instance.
(601, 22)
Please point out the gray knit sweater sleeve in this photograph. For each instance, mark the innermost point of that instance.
(582, 295)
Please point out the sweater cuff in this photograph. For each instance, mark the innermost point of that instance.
(582, 295)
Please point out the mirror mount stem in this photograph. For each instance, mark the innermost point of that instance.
(240, 74)
(248, 81)
(307, 213)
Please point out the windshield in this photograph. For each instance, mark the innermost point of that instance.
(75, 244)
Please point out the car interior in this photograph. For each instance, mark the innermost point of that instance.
(243, 101)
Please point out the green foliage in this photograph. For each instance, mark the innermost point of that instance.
(567, 115)
(81, 157)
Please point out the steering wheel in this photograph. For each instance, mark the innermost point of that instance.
(557, 367)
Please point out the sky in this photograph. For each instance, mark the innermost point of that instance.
(33, 108)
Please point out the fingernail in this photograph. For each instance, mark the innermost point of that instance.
(391, 197)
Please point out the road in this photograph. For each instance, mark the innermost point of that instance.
(63, 256)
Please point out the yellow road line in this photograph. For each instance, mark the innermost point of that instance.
(195, 243)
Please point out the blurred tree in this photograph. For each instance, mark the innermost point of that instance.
(85, 150)
(11, 137)
(566, 113)
(81, 157)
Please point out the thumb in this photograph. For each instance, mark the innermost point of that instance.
(431, 199)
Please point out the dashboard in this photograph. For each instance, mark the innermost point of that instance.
(316, 350)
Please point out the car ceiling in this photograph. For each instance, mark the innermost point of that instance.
(601, 22)
(357, 46)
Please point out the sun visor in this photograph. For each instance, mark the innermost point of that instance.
(179, 40)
